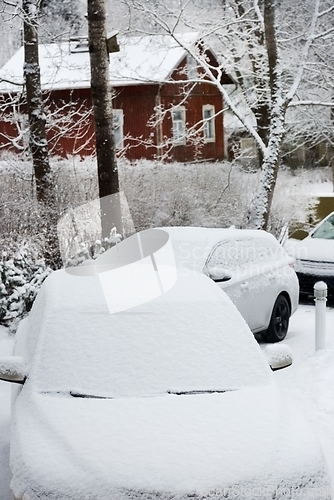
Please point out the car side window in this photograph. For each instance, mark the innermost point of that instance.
(240, 253)
(230, 254)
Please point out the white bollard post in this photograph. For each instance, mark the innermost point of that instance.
(320, 298)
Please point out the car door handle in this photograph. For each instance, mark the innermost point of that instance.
(244, 286)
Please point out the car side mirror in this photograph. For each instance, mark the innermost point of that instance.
(219, 274)
(278, 355)
(13, 369)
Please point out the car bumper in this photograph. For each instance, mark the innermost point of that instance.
(308, 280)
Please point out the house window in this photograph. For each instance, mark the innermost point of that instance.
(118, 127)
(248, 147)
(179, 125)
(191, 67)
(209, 123)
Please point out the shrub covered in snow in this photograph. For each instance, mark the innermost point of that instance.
(23, 272)
(21, 276)
(198, 194)
(157, 194)
(91, 251)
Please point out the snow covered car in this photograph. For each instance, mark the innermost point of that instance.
(314, 257)
(172, 398)
(250, 266)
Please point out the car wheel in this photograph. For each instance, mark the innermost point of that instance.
(279, 321)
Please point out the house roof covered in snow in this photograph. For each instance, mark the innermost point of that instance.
(141, 59)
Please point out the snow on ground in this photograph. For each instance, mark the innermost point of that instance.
(310, 379)
(309, 382)
(6, 345)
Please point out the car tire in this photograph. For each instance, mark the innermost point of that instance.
(279, 321)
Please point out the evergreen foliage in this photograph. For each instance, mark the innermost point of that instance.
(21, 276)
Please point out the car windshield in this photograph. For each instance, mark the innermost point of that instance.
(325, 230)
(190, 339)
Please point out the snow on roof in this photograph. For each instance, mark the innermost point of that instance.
(143, 59)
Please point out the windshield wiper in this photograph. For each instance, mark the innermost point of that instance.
(75, 394)
(89, 396)
(206, 391)
(177, 393)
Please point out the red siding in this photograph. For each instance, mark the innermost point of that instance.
(71, 126)
(137, 103)
(70, 122)
(201, 96)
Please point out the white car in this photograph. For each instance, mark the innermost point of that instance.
(172, 398)
(314, 257)
(250, 266)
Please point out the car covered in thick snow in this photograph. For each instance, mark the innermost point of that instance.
(251, 266)
(168, 398)
(314, 257)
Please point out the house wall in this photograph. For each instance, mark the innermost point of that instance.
(70, 128)
(195, 149)
(138, 103)
(196, 96)
(70, 122)
(10, 128)
(71, 125)
(148, 139)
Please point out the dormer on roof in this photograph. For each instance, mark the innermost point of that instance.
(112, 44)
(81, 46)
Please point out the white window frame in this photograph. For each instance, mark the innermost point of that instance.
(179, 125)
(209, 126)
(118, 122)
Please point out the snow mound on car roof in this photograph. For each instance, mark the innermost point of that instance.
(190, 338)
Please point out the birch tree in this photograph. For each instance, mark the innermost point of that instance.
(281, 98)
(269, 52)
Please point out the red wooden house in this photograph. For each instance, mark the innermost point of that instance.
(164, 105)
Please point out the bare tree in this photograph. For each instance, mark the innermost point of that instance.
(38, 142)
(269, 52)
(61, 19)
(37, 132)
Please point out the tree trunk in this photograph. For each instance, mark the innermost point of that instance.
(258, 216)
(103, 119)
(262, 116)
(37, 140)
